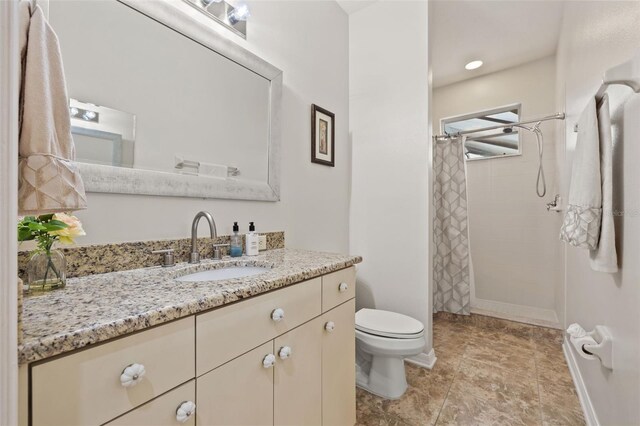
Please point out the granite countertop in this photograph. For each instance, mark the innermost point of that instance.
(97, 308)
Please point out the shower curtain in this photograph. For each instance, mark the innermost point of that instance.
(451, 285)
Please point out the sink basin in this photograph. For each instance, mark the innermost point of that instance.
(224, 273)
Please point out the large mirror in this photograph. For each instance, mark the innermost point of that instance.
(161, 104)
(490, 143)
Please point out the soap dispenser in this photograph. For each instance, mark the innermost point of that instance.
(236, 242)
(252, 241)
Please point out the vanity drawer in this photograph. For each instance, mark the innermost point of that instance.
(228, 332)
(338, 287)
(85, 388)
(163, 410)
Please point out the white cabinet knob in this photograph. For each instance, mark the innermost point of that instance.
(185, 410)
(329, 326)
(268, 361)
(132, 375)
(277, 314)
(285, 352)
(343, 287)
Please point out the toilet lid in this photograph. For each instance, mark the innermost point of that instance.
(388, 324)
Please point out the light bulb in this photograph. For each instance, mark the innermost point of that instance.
(89, 115)
(74, 111)
(240, 13)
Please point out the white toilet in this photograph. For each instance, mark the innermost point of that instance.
(383, 340)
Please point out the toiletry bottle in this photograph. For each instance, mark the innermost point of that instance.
(251, 241)
(236, 242)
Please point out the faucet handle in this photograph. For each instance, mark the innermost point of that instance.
(168, 259)
(217, 254)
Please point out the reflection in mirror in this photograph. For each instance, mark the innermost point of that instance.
(191, 112)
(102, 135)
(491, 143)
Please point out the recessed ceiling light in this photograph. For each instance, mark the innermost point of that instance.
(473, 65)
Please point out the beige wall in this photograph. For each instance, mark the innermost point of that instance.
(596, 36)
(314, 204)
(513, 238)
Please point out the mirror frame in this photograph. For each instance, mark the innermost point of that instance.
(180, 17)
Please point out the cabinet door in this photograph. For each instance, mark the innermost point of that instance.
(239, 392)
(162, 411)
(338, 366)
(298, 377)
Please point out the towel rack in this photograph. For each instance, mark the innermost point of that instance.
(627, 74)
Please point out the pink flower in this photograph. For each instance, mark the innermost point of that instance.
(73, 229)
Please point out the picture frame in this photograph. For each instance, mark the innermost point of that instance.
(322, 136)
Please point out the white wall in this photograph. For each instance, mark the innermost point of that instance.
(309, 42)
(389, 130)
(596, 36)
(513, 238)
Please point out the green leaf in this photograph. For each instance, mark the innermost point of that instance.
(25, 234)
(25, 220)
(55, 225)
(35, 226)
(45, 217)
(59, 223)
(52, 228)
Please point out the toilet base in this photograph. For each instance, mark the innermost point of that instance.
(386, 378)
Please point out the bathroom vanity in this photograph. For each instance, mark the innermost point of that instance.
(142, 348)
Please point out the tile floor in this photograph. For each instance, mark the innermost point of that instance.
(489, 372)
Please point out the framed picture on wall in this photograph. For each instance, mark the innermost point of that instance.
(322, 136)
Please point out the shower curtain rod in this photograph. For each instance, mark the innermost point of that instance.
(556, 116)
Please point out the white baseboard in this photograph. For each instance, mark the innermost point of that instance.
(425, 360)
(520, 313)
(585, 401)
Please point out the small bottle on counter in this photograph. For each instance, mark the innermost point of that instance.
(252, 242)
(236, 242)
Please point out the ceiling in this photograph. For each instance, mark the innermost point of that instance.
(501, 33)
(352, 6)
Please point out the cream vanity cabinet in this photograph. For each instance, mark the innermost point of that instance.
(286, 357)
(282, 381)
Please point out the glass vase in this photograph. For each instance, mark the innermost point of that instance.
(46, 271)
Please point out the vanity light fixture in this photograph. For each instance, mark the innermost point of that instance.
(84, 114)
(473, 65)
(232, 17)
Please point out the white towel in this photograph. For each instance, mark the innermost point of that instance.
(604, 257)
(581, 226)
(590, 193)
(49, 180)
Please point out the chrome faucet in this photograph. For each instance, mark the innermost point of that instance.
(195, 255)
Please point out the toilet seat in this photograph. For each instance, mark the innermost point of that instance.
(388, 324)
